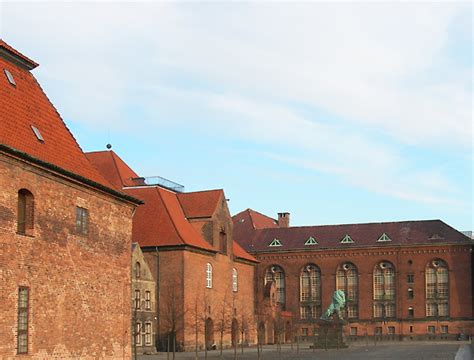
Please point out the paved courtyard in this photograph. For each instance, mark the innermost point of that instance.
(404, 351)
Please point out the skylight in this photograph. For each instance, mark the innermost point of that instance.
(347, 240)
(37, 133)
(311, 241)
(9, 76)
(275, 242)
(384, 237)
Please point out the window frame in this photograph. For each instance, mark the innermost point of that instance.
(235, 280)
(23, 315)
(148, 333)
(147, 300)
(138, 333)
(25, 213)
(137, 299)
(209, 276)
(82, 221)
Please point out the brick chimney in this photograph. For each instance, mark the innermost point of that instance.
(284, 219)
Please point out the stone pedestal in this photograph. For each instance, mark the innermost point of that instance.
(330, 334)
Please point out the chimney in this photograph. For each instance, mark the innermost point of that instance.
(284, 219)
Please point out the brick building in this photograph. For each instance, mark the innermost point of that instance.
(402, 280)
(204, 279)
(65, 234)
(143, 304)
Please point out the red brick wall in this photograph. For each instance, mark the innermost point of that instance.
(458, 259)
(79, 285)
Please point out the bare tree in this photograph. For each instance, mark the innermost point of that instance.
(244, 325)
(224, 321)
(279, 329)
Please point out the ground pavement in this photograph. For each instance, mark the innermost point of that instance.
(381, 351)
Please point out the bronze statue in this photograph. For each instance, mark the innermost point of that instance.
(338, 302)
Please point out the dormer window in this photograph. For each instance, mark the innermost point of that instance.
(9, 76)
(275, 242)
(37, 133)
(311, 241)
(384, 237)
(347, 240)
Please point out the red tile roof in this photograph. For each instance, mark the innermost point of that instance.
(248, 220)
(200, 204)
(240, 253)
(424, 232)
(4, 47)
(25, 105)
(113, 168)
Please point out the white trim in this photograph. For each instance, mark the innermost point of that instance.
(275, 242)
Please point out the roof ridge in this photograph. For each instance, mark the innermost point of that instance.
(200, 191)
(170, 216)
(352, 224)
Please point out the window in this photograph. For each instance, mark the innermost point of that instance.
(384, 237)
(391, 330)
(353, 331)
(311, 241)
(410, 293)
(147, 300)
(444, 329)
(223, 242)
(310, 292)
(304, 331)
(81, 220)
(410, 278)
(431, 330)
(148, 335)
(9, 76)
(378, 331)
(275, 242)
(137, 299)
(384, 290)
(23, 309)
(411, 329)
(138, 333)
(137, 269)
(234, 280)
(37, 133)
(411, 312)
(276, 274)
(347, 240)
(347, 281)
(25, 216)
(437, 289)
(208, 276)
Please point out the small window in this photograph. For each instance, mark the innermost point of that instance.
(311, 241)
(411, 312)
(391, 330)
(138, 333)
(431, 330)
(25, 216)
(384, 237)
(275, 242)
(9, 76)
(234, 280)
(304, 331)
(410, 293)
(147, 300)
(82, 216)
(410, 278)
(444, 329)
(37, 133)
(137, 269)
(148, 335)
(223, 242)
(347, 240)
(137, 299)
(353, 331)
(378, 330)
(23, 310)
(209, 276)
(411, 329)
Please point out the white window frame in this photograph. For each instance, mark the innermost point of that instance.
(148, 333)
(137, 299)
(209, 276)
(147, 300)
(235, 280)
(138, 333)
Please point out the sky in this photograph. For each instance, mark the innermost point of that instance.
(337, 112)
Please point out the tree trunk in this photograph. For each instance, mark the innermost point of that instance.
(174, 345)
(221, 341)
(168, 347)
(242, 343)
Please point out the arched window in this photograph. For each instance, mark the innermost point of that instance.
(137, 270)
(208, 275)
(384, 290)
(234, 280)
(348, 281)
(276, 274)
(25, 220)
(310, 292)
(437, 289)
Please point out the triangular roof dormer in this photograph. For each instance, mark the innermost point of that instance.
(275, 242)
(347, 240)
(311, 241)
(384, 237)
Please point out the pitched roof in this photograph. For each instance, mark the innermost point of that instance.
(113, 168)
(161, 220)
(240, 253)
(423, 232)
(15, 55)
(249, 220)
(25, 105)
(200, 204)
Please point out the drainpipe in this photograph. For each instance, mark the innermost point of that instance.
(158, 285)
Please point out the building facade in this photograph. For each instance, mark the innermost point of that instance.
(65, 234)
(402, 280)
(204, 280)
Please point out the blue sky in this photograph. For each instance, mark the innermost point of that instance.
(335, 112)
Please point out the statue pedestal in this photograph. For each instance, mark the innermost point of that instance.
(330, 334)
